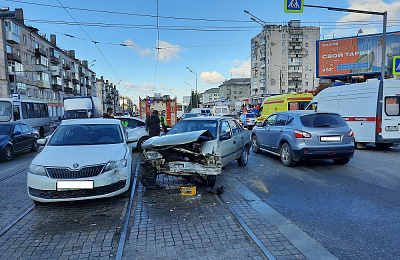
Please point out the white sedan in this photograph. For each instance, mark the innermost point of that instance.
(135, 127)
(83, 159)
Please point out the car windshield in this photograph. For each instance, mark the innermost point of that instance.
(5, 111)
(86, 135)
(323, 120)
(187, 115)
(250, 115)
(5, 129)
(72, 114)
(194, 125)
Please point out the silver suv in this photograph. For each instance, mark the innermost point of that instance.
(298, 135)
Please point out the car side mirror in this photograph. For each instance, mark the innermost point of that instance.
(132, 138)
(17, 133)
(42, 141)
(225, 136)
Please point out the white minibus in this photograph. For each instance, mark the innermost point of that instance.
(33, 113)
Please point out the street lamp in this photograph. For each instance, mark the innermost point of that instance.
(194, 72)
(359, 31)
(255, 18)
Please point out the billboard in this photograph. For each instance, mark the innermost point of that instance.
(356, 55)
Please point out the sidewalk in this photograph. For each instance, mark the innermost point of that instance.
(167, 225)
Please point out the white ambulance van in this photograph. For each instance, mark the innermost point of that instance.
(371, 109)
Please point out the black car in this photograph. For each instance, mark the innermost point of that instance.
(17, 137)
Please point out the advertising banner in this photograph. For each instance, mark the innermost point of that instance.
(356, 55)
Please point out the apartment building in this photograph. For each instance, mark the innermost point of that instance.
(283, 59)
(235, 90)
(210, 96)
(109, 94)
(36, 68)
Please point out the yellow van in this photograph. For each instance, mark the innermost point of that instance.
(278, 103)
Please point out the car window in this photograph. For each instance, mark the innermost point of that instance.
(225, 129)
(281, 120)
(234, 127)
(270, 120)
(290, 120)
(323, 120)
(17, 128)
(24, 128)
(240, 127)
(86, 135)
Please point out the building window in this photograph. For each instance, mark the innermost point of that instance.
(307, 83)
(24, 39)
(306, 67)
(28, 92)
(26, 56)
(283, 68)
(18, 52)
(306, 52)
(306, 44)
(35, 93)
(9, 49)
(283, 52)
(283, 60)
(306, 36)
(283, 36)
(283, 44)
(306, 76)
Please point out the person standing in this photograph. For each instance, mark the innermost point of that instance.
(147, 122)
(109, 113)
(163, 121)
(154, 124)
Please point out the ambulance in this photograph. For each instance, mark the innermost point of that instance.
(371, 109)
(285, 102)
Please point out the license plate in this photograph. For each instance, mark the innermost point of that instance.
(74, 185)
(392, 128)
(330, 138)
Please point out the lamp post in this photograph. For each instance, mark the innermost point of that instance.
(359, 31)
(194, 72)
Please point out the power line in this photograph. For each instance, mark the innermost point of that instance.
(95, 43)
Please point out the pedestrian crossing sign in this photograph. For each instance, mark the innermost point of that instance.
(294, 6)
(396, 65)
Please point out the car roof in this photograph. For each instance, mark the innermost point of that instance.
(87, 121)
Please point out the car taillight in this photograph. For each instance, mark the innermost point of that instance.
(378, 124)
(248, 120)
(301, 134)
(350, 133)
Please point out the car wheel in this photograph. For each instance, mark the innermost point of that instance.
(147, 175)
(287, 155)
(35, 146)
(255, 146)
(383, 145)
(210, 180)
(8, 153)
(140, 142)
(342, 161)
(244, 157)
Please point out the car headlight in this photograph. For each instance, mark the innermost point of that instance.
(116, 164)
(37, 169)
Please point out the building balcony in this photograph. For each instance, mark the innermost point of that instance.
(67, 78)
(88, 86)
(40, 51)
(54, 60)
(12, 37)
(75, 81)
(56, 87)
(75, 92)
(13, 57)
(55, 73)
(68, 90)
(42, 84)
(66, 66)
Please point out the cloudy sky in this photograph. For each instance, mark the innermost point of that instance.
(145, 54)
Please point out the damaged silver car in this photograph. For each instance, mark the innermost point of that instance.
(195, 147)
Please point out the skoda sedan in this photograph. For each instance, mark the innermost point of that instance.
(305, 135)
(83, 159)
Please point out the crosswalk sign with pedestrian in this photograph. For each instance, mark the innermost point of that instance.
(396, 65)
(294, 6)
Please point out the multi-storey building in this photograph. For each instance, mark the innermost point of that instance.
(37, 69)
(235, 90)
(210, 96)
(283, 59)
(109, 95)
(126, 103)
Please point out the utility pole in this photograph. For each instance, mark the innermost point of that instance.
(196, 97)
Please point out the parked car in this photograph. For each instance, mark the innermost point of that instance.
(299, 135)
(248, 120)
(196, 147)
(136, 127)
(17, 137)
(83, 159)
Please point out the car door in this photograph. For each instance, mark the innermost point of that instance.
(263, 133)
(17, 139)
(237, 135)
(27, 136)
(277, 130)
(228, 146)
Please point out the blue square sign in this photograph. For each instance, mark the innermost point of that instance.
(396, 65)
(293, 6)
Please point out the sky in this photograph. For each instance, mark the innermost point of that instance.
(147, 46)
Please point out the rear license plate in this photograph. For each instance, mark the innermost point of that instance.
(392, 128)
(330, 138)
(74, 185)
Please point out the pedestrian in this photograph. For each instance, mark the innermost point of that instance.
(154, 124)
(148, 119)
(109, 114)
(163, 121)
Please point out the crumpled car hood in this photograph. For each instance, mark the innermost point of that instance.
(176, 139)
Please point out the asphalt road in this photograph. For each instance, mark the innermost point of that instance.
(352, 210)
